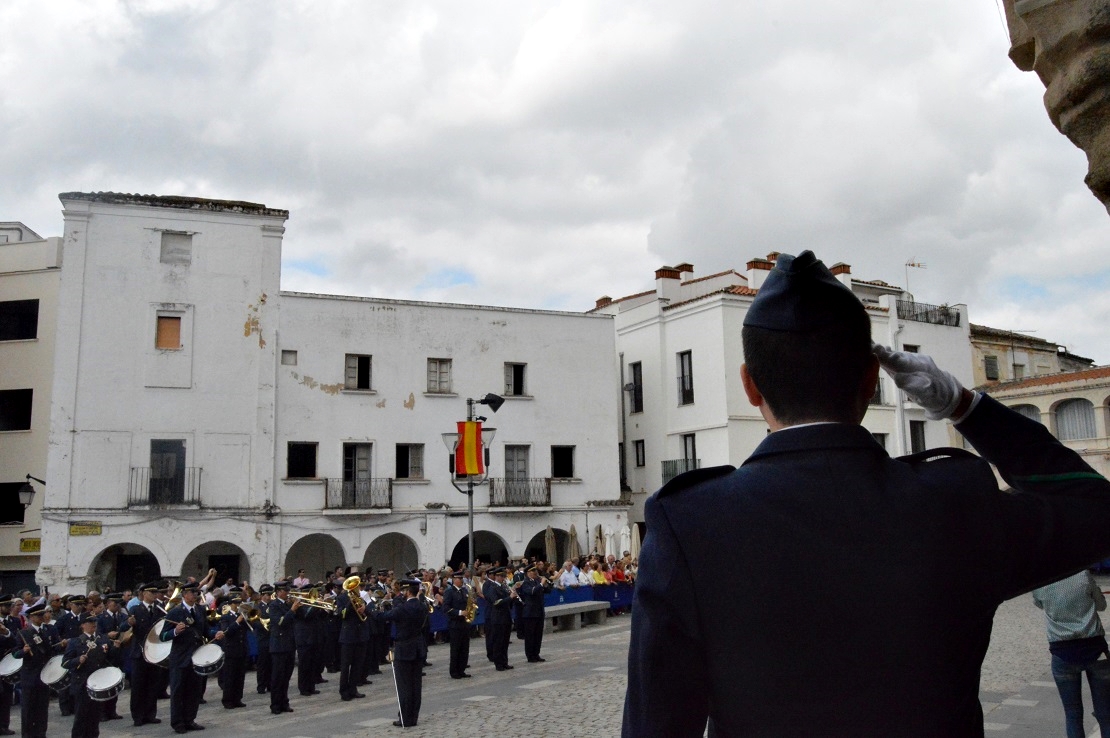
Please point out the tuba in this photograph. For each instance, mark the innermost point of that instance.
(350, 586)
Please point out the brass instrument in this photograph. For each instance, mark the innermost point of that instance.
(312, 599)
(350, 586)
(426, 588)
(175, 597)
(471, 605)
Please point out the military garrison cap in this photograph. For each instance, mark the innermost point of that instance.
(801, 295)
(37, 609)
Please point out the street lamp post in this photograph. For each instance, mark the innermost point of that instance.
(451, 440)
(27, 492)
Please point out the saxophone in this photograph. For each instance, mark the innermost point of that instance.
(471, 605)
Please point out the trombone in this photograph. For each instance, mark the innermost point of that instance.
(313, 599)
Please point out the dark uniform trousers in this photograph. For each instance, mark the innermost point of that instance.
(281, 671)
(186, 690)
(283, 649)
(86, 712)
(68, 629)
(186, 686)
(409, 652)
(410, 678)
(34, 700)
(146, 682)
(7, 690)
(262, 664)
(458, 630)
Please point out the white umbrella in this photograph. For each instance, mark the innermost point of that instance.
(626, 541)
(549, 544)
(599, 540)
(572, 543)
(609, 543)
(635, 549)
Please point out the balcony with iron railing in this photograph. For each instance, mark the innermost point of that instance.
(923, 313)
(359, 494)
(148, 490)
(513, 492)
(673, 467)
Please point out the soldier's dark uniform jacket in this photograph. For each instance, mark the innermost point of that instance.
(908, 558)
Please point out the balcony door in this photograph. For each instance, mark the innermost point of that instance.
(167, 472)
(356, 472)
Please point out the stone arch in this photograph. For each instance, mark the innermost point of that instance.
(316, 553)
(121, 566)
(537, 546)
(488, 547)
(394, 551)
(1075, 419)
(228, 559)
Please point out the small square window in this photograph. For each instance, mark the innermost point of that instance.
(641, 456)
(301, 460)
(562, 462)
(357, 372)
(289, 358)
(410, 461)
(439, 376)
(514, 379)
(15, 409)
(168, 333)
(19, 320)
(910, 348)
(177, 248)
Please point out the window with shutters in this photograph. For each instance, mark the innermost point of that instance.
(685, 378)
(641, 455)
(636, 386)
(177, 248)
(514, 379)
(439, 376)
(357, 372)
(410, 461)
(990, 367)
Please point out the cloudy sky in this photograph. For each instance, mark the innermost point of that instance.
(542, 154)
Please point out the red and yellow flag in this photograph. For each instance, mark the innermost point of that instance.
(468, 452)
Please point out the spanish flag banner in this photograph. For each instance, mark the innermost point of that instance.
(468, 453)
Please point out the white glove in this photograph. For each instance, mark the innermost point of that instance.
(934, 389)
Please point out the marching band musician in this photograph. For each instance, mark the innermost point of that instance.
(354, 637)
(108, 625)
(234, 626)
(36, 644)
(409, 651)
(145, 677)
(455, 601)
(69, 628)
(190, 624)
(262, 665)
(283, 645)
(8, 628)
(532, 591)
(308, 648)
(84, 655)
(379, 638)
(499, 618)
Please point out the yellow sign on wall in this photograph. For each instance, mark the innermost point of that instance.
(30, 545)
(84, 528)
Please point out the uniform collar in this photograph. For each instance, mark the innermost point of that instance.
(814, 436)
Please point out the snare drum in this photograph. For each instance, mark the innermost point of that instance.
(54, 675)
(154, 650)
(9, 668)
(208, 659)
(104, 683)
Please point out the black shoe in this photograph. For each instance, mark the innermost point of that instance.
(203, 701)
(346, 698)
(427, 663)
(287, 709)
(358, 695)
(504, 668)
(153, 721)
(363, 683)
(238, 704)
(262, 690)
(277, 712)
(181, 729)
(113, 716)
(375, 671)
(321, 681)
(194, 726)
(7, 731)
(398, 724)
(309, 694)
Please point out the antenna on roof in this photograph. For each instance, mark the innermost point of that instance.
(915, 265)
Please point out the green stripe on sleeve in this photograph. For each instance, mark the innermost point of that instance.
(1065, 477)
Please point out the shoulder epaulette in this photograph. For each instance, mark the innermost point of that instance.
(693, 478)
(938, 454)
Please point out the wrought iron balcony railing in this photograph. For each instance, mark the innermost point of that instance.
(358, 494)
(673, 467)
(510, 492)
(183, 488)
(923, 313)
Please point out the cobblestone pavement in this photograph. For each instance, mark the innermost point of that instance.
(584, 668)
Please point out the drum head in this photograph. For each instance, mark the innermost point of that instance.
(9, 666)
(104, 678)
(154, 650)
(53, 671)
(207, 655)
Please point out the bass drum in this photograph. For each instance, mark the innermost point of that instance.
(154, 650)
(54, 675)
(9, 668)
(208, 659)
(104, 683)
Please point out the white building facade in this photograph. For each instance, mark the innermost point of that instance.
(201, 418)
(30, 269)
(680, 351)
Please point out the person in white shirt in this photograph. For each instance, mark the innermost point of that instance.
(567, 577)
(585, 578)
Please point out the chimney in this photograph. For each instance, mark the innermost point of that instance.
(667, 283)
(843, 272)
(603, 301)
(758, 269)
(685, 268)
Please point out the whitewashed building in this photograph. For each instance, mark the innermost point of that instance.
(203, 418)
(30, 267)
(679, 350)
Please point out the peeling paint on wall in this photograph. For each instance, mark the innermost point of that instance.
(307, 381)
(253, 324)
(380, 403)
(411, 402)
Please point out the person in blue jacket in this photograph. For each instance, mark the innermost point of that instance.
(904, 560)
(410, 650)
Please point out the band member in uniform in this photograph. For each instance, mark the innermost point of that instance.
(455, 601)
(9, 626)
(409, 651)
(145, 677)
(36, 645)
(69, 628)
(186, 626)
(283, 647)
(499, 618)
(108, 625)
(308, 649)
(84, 655)
(354, 637)
(262, 635)
(234, 626)
(532, 591)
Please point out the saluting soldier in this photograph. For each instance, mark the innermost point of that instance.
(409, 651)
(145, 678)
(532, 591)
(35, 644)
(186, 627)
(455, 601)
(262, 635)
(234, 626)
(85, 654)
(283, 646)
